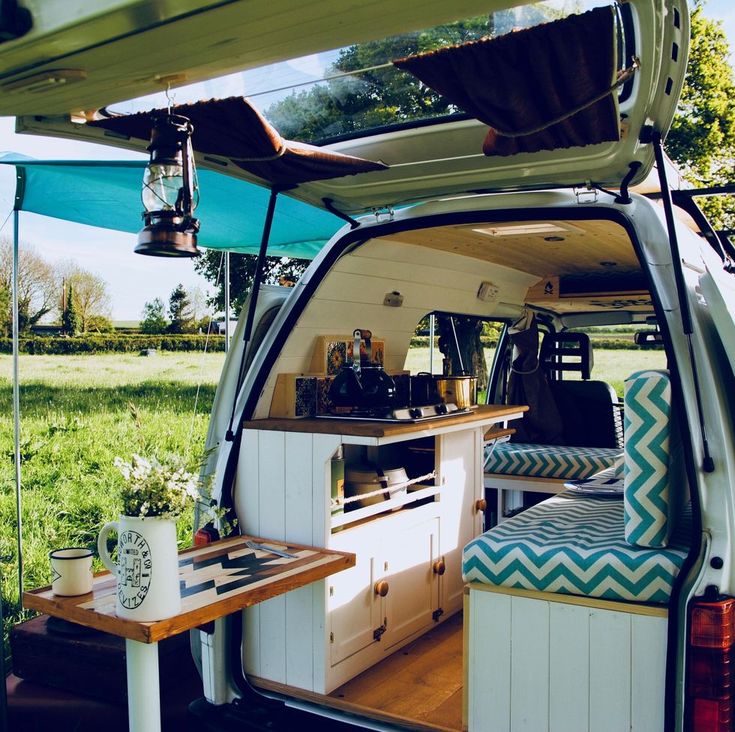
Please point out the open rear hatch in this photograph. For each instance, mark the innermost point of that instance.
(604, 142)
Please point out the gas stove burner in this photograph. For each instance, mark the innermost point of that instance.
(399, 414)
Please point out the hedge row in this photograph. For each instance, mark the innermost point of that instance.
(602, 343)
(114, 343)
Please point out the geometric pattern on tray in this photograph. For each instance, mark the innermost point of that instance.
(575, 545)
(647, 431)
(550, 461)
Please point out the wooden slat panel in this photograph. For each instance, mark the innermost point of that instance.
(272, 501)
(569, 668)
(490, 662)
(610, 677)
(299, 630)
(529, 682)
(648, 647)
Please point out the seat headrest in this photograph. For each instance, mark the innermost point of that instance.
(566, 352)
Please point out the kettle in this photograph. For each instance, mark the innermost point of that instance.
(363, 387)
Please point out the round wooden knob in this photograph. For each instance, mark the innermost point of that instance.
(381, 588)
(439, 567)
(480, 504)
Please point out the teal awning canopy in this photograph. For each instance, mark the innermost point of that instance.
(231, 211)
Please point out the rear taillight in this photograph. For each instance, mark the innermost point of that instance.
(710, 681)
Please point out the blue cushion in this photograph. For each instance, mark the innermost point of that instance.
(550, 461)
(647, 437)
(575, 545)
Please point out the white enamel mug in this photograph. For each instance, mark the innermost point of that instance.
(147, 568)
(71, 570)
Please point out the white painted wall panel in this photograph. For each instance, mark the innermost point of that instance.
(610, 672)
(529, 680)
(571, 667)
(299, 603)
(489, 662)
(569, 659)
(247, 503)
(649, 674)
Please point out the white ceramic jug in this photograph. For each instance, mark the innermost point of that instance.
(147, 567)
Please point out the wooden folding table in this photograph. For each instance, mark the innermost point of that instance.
(216, 580)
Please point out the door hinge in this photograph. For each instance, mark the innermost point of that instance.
(586, 195)
(331, 637)
(378, 632)
(437, 614)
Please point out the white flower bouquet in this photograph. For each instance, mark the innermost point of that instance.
(156, 489)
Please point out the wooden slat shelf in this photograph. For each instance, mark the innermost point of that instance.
(496, 433)
(216, 580)
(387, 430)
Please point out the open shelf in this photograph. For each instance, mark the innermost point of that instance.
(360, 514)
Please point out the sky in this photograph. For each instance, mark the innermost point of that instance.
(133, 280)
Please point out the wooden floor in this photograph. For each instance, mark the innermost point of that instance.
(422, 681)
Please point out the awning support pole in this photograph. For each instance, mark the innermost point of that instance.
(257, 279)
(16, 404)
(227, 301)
(708, 464)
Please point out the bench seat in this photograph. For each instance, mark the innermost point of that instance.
(576, 545)
(549, 461)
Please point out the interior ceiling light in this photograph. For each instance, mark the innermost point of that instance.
(170, 192)
(527, 229)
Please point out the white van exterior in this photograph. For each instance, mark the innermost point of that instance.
(424, 239)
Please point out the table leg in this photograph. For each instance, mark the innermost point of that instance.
(144, 698)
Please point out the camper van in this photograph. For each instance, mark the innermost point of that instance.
(542, 553)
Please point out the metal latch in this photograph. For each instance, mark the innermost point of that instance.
(386, 213)
(437, 614)
(378, 632)
(586, 195)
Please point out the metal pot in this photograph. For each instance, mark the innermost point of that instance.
(460, 390)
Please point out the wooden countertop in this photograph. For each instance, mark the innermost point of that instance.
(216, 580)
(367, 428)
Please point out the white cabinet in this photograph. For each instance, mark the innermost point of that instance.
(319, 637)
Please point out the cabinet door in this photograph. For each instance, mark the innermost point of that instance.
(461, 479)
(413, 593)
(354, 611)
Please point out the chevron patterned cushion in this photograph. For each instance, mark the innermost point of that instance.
(575, 545)
(647, 430)
(550, 461)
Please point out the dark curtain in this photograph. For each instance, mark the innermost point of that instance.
(524, 80)
(235, 129)
(542, 423)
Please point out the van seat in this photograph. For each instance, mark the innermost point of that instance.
(549, 461)
(576, 545)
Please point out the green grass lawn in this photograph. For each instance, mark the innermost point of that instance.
(78, 413)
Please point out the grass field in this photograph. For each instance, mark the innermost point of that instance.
(79, 412)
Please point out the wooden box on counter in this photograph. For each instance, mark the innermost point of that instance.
(331, 352)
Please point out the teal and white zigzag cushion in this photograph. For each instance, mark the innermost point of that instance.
(575, 545)
(646, 476)
(550, 461)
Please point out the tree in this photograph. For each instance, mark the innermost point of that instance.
(702, 136)
(91, 297)
(69, 315)
(242, 272)
(154, 317)
(180, 312)
(38, 287)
